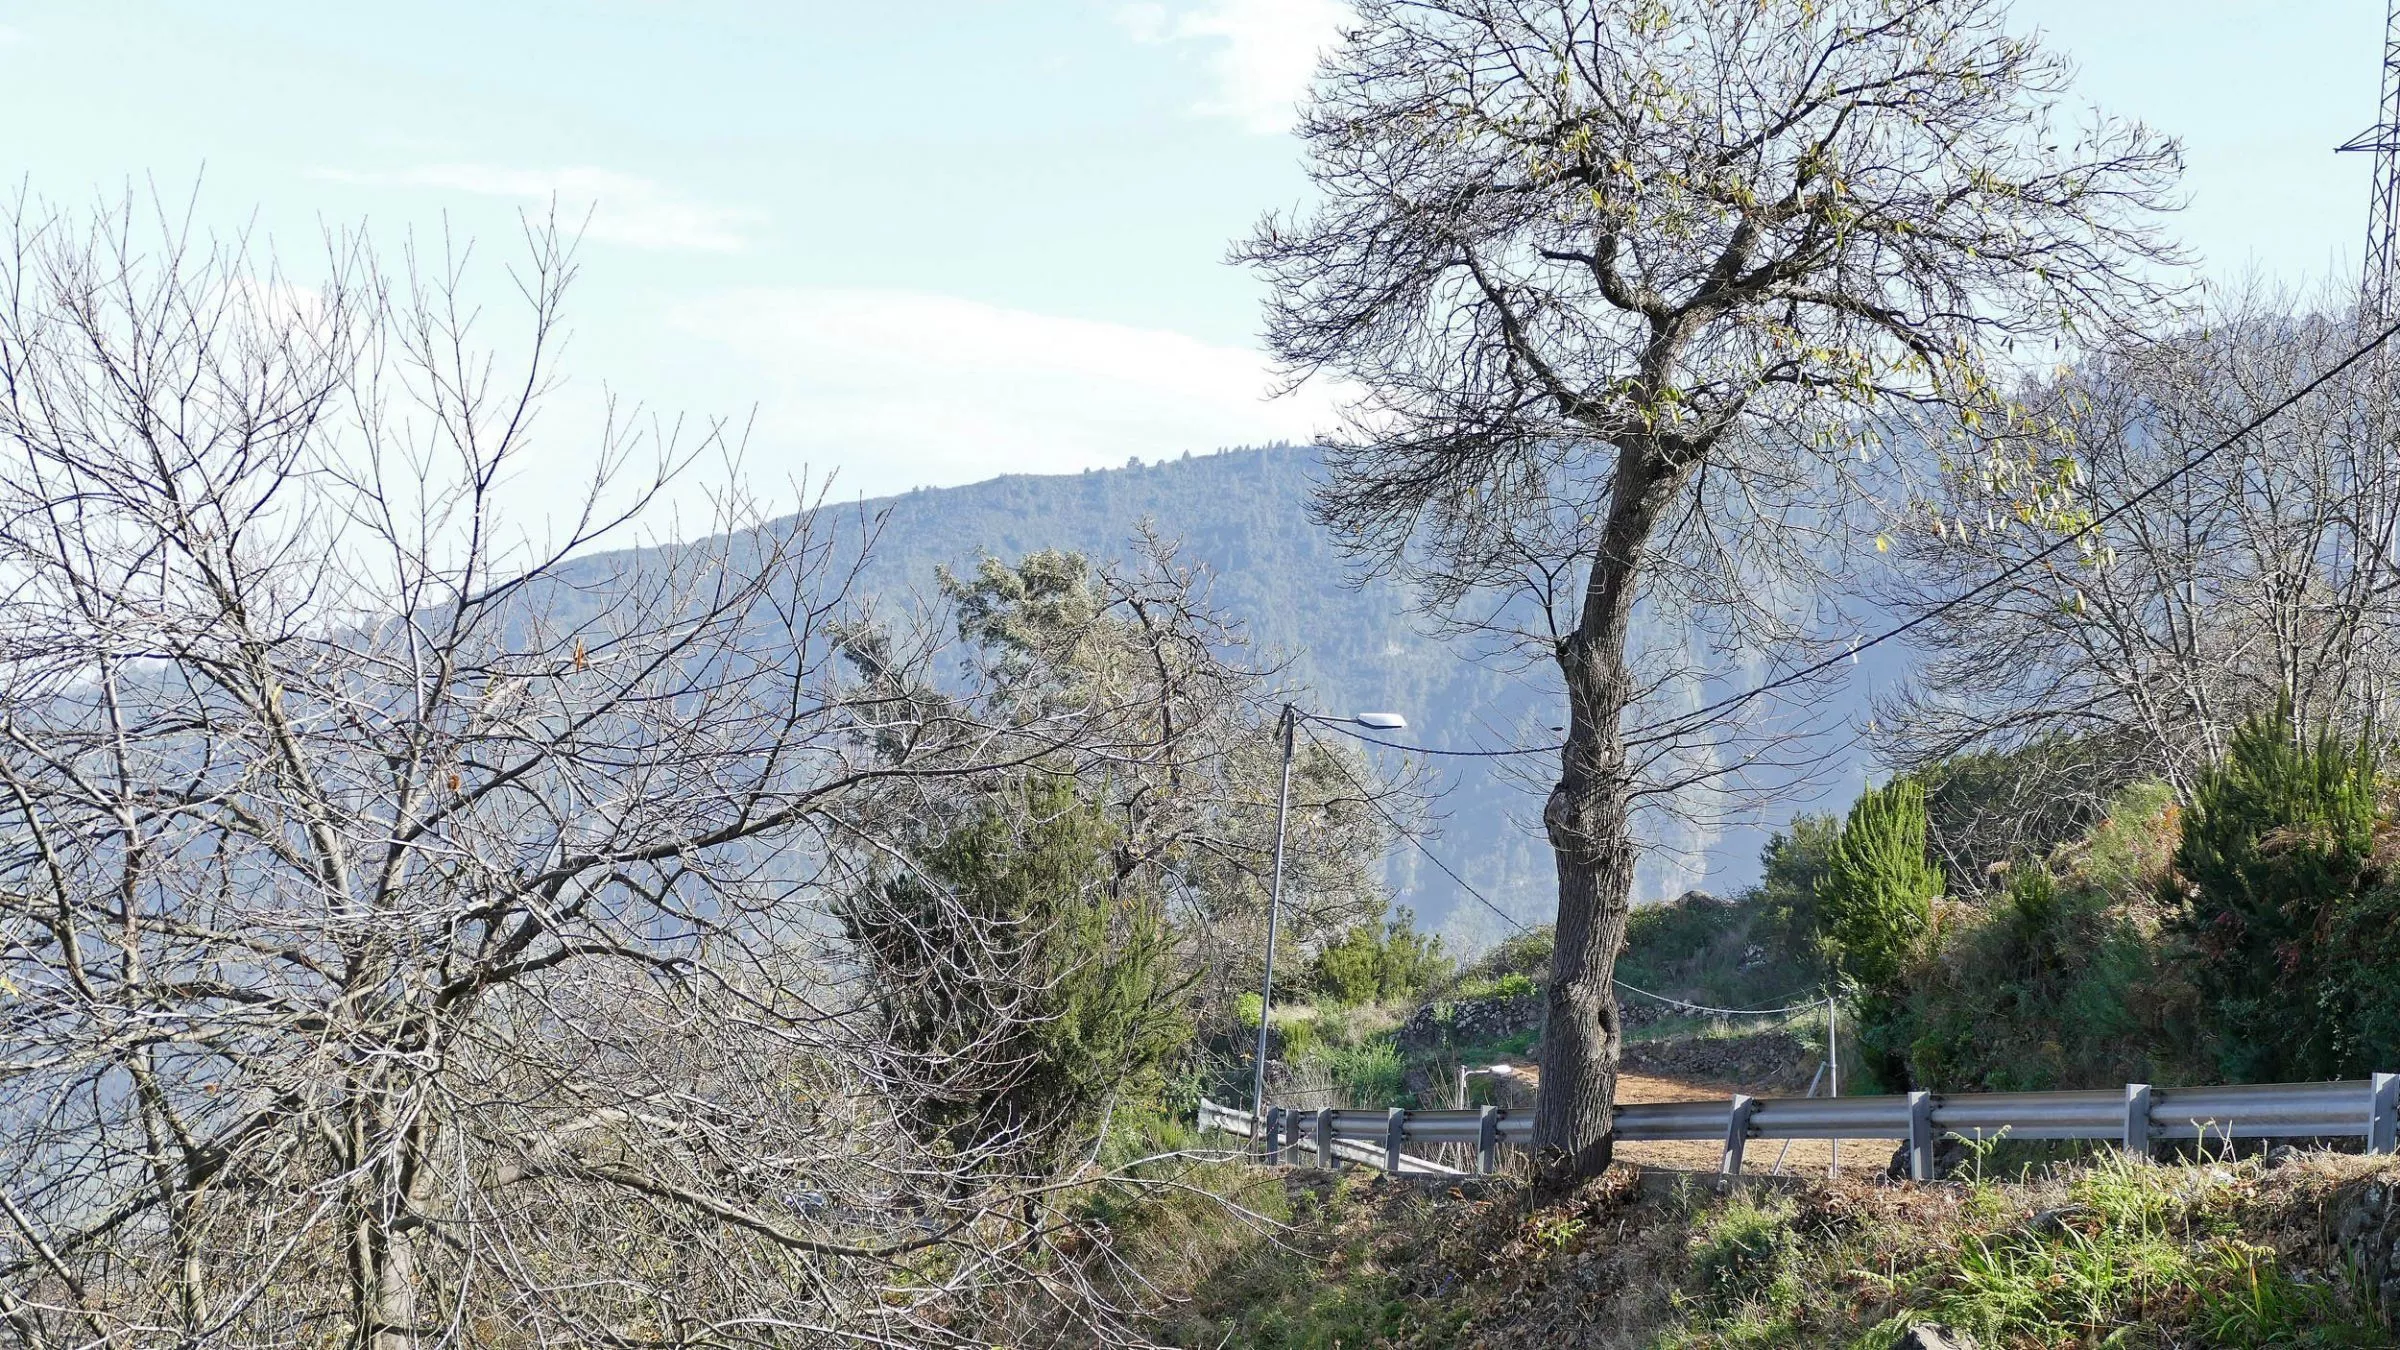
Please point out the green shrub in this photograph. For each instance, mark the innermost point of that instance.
(1014, 936)
(2361, 993)
(2031, 921)
(1873, 904)
(1666, 944)
(1794, 864)
(1879, 887)
(2051, 986)
(1514, 984)
(1295, 1036)
(1377, 962)
(2276, 846)
(1526, 953)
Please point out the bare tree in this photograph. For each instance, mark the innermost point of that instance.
(2265, 576)
(413, 935)
(1626, 284)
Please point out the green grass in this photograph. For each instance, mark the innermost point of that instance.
(2117, 1253)
(1369, 1075)
(1745, 1254)
(2138, 1246)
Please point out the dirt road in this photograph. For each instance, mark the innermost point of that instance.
(1807, 1155)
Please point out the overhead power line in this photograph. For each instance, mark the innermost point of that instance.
(1357, 735)
(1683, 722)
(1411, 835)
(1512, 921)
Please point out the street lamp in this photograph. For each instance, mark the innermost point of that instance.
(1288, 726)
(1494, 1071)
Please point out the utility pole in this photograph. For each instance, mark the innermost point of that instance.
(1288, 727)
(2383, 203)
(1833, 1061)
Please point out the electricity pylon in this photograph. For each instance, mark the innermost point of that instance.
(2383, 209)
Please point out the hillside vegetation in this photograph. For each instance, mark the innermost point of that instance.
(2246, 935)
(2111, 1253)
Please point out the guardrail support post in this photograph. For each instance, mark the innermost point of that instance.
(1326, 1158)
(1737, 1133)
(1274, 1135)
(2383, 1122)
(1395, 1128)
(2137, 1119)
(1920, 1136)
(1487, 1140)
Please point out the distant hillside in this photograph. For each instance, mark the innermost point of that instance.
(1353, 647)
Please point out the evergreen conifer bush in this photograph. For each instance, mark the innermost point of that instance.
(1031, 889)
(1877, 894)
(1378, 961)
(1873, 905)
(2276, 857)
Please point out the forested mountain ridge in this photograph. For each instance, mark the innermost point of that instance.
(1352, 644)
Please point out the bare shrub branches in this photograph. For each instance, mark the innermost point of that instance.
(411, 933)
(2267, 576)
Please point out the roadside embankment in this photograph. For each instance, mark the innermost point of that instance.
(2112, 1252)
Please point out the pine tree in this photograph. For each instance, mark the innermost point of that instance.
(1877, 895)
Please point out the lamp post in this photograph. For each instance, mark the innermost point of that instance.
(1495, 1071)
(1288, 726)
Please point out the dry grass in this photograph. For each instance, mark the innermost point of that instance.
(2115, 1253)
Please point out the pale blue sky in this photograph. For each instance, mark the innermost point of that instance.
(935, 242)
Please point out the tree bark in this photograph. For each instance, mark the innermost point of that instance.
(382, 1238)
(1589, 822)
(1582, 1041)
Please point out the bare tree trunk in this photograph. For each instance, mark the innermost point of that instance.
(390, 1305)
(1589, 821)
(382, 1238)
(1582, 1040)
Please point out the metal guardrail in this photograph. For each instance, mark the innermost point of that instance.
(1345, 1149)
(2139, 1117)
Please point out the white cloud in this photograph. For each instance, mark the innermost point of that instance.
(897, 389)
(1263, 51)
(625, 209)
(1146, 22)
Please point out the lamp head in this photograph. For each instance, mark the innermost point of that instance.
(1382, 721)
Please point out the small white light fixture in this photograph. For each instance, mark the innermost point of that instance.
(1502, 1071)
(1382, 721)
